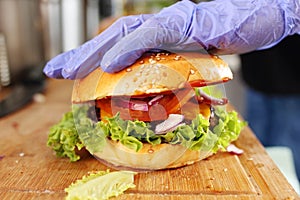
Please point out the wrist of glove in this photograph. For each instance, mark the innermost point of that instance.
(219, 26)
(244, 26)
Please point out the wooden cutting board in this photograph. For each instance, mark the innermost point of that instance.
(30, 170)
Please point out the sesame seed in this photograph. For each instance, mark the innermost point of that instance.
(150, 151)
(151, 61)
(177, 57)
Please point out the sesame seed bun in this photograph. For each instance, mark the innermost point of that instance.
(153, 73)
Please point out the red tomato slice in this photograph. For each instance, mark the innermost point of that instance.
(176, 103)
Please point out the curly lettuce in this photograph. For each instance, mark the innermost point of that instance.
(63, 137)
(76, 130)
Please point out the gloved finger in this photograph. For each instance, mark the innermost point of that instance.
(53, 68)
(167, 30)
(81, 61)
(132, 46)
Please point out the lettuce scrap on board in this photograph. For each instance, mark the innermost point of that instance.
(101, 185)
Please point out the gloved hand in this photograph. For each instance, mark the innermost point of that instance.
(221, 26)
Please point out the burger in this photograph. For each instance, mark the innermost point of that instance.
(155, 114)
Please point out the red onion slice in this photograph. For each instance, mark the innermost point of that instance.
(173, 121)
(133, 104)
(233, 149)
(155, 99)
(203, 97)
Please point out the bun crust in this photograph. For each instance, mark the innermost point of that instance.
(149, 157)
(153, 73)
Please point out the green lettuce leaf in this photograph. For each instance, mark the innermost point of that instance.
(101, 185)
(63, 137)
(132, 134)
(227, 129)
(76, 130)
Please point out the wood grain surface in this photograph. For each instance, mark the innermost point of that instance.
(30, 170)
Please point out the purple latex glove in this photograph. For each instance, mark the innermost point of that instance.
(221, 26)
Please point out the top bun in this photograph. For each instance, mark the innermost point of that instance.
(153, 73)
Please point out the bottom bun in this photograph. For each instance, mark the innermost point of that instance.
(161, 156)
